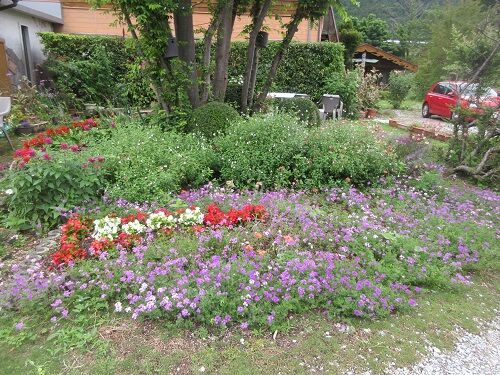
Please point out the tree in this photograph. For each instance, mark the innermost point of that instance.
(351, 38)
(311, 10)
(375, 30)
(474, 58)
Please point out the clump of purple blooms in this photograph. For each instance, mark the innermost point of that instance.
(349, 252)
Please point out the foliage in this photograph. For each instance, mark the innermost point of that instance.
(32, 103)
(305, 68)
(464, 16)
(345, 154)
(212, 119)
(351, 39)
(133, 75)
(375, 30)
(400, 83)
(149, 164)
(305, 110)
(476, 154)
(87, 69)
(261, 151)
(277, 151)
(346, 85)
(369, 90)
(42, 188)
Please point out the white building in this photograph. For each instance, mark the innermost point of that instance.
(20, 47)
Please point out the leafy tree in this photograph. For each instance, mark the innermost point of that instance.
(474, 58)
(465, 16)
(375, 30)
(351, 38)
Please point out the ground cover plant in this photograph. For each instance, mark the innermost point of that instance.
(343, 251)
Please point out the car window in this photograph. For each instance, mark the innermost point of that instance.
(440, 89)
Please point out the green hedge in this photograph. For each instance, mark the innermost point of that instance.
(304, 69)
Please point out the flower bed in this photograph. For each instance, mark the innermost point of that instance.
(125, 232)
(39, 144)
(342, 251)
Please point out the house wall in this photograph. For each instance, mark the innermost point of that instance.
(11, 21)
(80, 19)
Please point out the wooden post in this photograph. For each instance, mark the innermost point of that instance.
(4, 70)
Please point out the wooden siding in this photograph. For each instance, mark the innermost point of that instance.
(80, 19)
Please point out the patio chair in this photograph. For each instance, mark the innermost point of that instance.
(4, 111)
(331, 106)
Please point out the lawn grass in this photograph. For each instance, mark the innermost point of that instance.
(313, 342)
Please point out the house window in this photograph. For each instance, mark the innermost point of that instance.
(26, 51)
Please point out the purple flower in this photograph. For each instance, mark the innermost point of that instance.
(357, 312)
(19, 326)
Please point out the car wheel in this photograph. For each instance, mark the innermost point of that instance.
(425, 110)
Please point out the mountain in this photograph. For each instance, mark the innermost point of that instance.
(393, 11)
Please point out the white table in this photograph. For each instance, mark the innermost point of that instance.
(286, 95)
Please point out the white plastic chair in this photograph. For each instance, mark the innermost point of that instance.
(4, 111)
(332, 107)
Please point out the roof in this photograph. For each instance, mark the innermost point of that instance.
(365, 47)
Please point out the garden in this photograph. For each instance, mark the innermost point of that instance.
(237, 235)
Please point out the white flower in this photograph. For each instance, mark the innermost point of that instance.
(134, 227)
(160, 219)
(106, 227)
(191, 217)
(118, 306)
(9, 191)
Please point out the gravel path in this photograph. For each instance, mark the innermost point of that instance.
(410, 118)
(473, 355)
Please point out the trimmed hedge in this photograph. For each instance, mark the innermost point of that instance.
(303, 108)
(304, 69)
(212, 119)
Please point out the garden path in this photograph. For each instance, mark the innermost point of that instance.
(474, 354)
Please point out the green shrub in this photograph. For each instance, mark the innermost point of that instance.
(304, 109)
(400, 83)
(277, 151)
(261, 151)
(42, 187)
(345, 153)
(346, 85)
(212, 119)
(148, 164)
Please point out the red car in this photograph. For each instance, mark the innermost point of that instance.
(443, 96)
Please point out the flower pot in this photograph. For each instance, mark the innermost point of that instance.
(371, 113)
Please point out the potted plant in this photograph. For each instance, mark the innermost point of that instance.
(369, 92)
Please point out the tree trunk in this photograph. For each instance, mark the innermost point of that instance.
(259, 13)
(290, 32)
(207, 51)
(222, 52)
(184, 31)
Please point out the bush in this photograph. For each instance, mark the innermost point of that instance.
(400, 83)
(346, 85)
(42, 187)
(345, 153)
(277, 151)
(261, 151)
(212, 119)
(304, 109)
(148, 164)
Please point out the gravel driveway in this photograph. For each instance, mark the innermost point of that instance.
(474, 354)
(414, 117)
